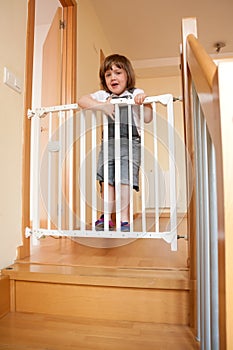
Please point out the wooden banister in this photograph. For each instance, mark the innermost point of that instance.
(213, 85)
(206, 64)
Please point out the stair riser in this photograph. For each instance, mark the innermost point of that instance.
(111, 303)
(4, 295)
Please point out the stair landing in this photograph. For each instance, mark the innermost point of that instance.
(98, 252)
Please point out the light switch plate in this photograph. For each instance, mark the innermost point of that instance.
(12, 81)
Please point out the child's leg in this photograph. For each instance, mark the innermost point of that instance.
(125, 196)
(111, 199)
(99, 224)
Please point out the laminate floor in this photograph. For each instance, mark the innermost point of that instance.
(20, 331)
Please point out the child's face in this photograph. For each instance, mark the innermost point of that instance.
(116, 80)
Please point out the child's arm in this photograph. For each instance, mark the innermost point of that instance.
(88, 102)
(148, 113)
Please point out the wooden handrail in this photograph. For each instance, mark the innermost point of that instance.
(204, 75)
(206, 64)
(213, 85)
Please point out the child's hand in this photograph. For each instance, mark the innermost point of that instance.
(109, 109)
(139, 98)
(87, 102)
(148, 114)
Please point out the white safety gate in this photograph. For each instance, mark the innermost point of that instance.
(65, 199)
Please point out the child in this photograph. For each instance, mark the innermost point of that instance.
(118, 81)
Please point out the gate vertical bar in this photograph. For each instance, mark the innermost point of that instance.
(117, 168)
(156, 179)
(49, 199)
(172, 173)
(60, 160)
(35, 177)
(106, 189)
(82, 170)
(143, 200)
(131, 160)
(93, 165)
(70, 155)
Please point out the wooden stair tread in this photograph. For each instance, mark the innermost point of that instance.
(100, 276)
(140, 253)
(67, 332)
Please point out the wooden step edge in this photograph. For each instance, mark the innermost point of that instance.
(114, 277)
(109, 266)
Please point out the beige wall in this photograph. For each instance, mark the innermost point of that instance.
(171, 85)
(12, 55)
(91, 39)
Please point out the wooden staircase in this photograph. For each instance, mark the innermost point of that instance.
(140, 281)
(144, 295)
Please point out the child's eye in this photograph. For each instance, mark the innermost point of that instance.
(108, 74)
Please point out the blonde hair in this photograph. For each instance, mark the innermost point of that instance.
(121, 62)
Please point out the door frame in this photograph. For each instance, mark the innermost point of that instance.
(68, 93)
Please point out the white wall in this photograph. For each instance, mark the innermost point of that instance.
(12, 55)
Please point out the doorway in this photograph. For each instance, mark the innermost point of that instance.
(67, 88)
(47, 45)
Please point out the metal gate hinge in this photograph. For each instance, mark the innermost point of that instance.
(62, 24)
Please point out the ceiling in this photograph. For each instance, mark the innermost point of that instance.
(45, 11)
(149, 31)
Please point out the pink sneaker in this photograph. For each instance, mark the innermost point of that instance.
(99, 224)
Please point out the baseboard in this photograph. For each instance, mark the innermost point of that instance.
(164, 215)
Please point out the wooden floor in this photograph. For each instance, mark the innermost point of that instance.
(43, 332)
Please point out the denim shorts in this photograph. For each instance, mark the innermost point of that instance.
(124, 162)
